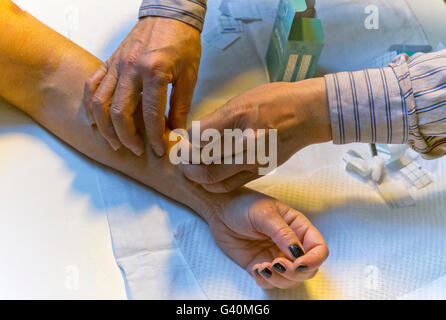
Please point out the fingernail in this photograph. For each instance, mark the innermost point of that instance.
(267, 273)
(296, 251)
(301, 268)
(137, 151)
(256, 271)
(279, 268)
(89, 119)
(115, 146)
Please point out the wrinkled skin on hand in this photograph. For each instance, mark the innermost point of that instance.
(298, 111)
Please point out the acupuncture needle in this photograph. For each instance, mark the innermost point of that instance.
(373, 149)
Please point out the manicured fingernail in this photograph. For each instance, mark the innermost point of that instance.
(256, 271)
(115, 146)
(279, 268)
(267, 273)
(296, 251)
(301, 268)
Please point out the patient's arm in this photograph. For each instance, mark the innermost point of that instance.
(43, 74)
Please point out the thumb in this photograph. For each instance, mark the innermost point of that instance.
(273, 225)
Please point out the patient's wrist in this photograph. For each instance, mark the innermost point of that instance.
(211, 205)
(207, 205)
(313, 108)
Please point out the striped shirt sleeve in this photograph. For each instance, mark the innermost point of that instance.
(191, 12)
(404, 102)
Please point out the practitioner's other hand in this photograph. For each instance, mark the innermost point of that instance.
(298, 111)
(158, 51)
(278, 245)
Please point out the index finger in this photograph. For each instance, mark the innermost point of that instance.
(122, 111)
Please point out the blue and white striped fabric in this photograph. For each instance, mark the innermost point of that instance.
(189, 11)
(404, 102)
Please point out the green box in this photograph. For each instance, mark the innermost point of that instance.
(296, 43)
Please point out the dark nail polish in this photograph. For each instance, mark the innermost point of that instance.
(301, 268)
(296, 251)
(266, 272)
(256, 271)
(279, 268)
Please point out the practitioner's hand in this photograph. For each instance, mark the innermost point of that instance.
(298, 111)
(269, 239)
(158, 51)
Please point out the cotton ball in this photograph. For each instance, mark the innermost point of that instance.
(377, 166)
(358, 166)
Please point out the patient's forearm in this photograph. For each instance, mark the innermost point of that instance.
(46, 80)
